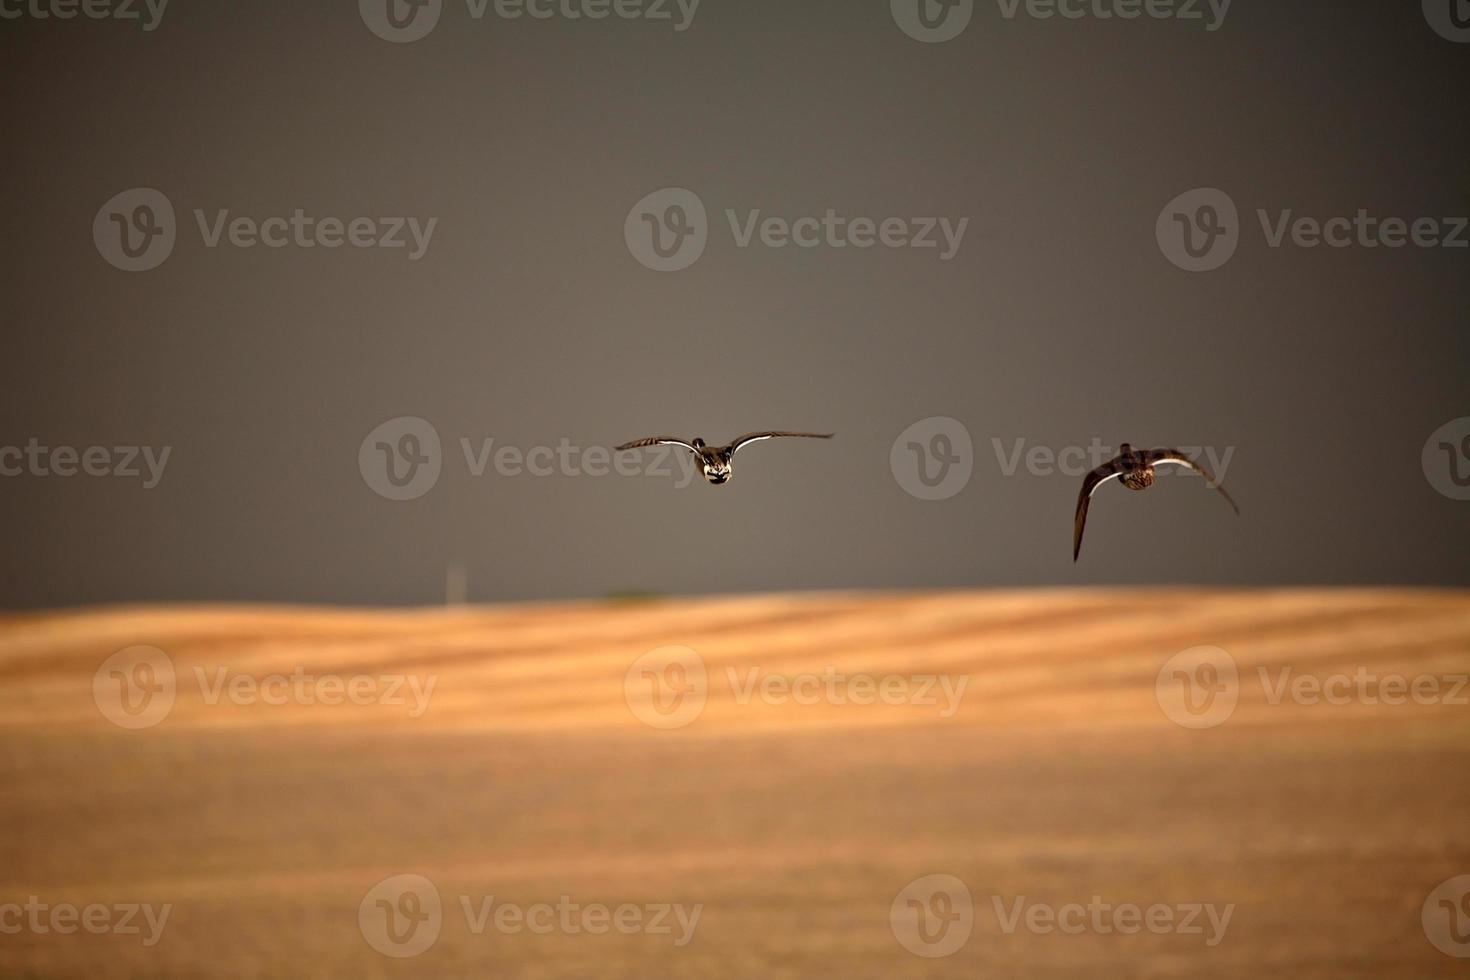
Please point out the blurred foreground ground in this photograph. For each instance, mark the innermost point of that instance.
(531, 775)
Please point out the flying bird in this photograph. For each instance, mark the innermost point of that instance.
(1135, 469)
(715, 460)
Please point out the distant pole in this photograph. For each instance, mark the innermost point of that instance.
(456, 584)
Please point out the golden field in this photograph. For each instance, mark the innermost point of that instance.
(1050, 775)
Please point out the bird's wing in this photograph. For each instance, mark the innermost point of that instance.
(1173, 457)
(1108, 471)
(750, 437)
(654, 441)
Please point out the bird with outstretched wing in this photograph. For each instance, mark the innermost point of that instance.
(714, 461)
(1135, 470)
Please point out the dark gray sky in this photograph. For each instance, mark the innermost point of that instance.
(1324, 372)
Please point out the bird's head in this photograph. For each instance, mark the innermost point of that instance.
(716, 465)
